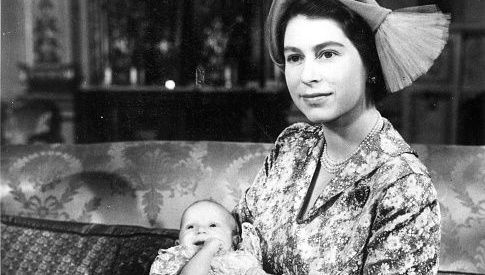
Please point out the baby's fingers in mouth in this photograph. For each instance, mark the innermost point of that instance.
(199, 243)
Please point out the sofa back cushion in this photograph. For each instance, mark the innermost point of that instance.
(150, 183)
(458, 173)
(132, 183)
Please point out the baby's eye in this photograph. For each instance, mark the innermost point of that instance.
(212, 225)
(190, 226)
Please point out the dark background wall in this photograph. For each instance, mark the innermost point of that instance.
(165, 40)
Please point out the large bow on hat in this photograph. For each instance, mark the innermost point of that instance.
(408, 40)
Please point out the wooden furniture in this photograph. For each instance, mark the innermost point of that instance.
(121, 113)
(64, 103)
(55, 83)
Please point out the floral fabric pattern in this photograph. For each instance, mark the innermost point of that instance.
(33, 246)
(380, 215)
(459, 176)
(131, 183)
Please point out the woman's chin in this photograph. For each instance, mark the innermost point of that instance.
(317, 118)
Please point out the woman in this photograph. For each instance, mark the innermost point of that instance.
(345, 194)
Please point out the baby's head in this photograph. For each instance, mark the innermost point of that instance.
(206, 219)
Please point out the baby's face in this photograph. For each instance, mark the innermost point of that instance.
(206, 220)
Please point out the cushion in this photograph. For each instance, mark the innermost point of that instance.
(145, 184)
(57, 247)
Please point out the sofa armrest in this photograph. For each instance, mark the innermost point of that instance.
(44, 246)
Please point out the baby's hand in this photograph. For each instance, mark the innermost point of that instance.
(213, 245)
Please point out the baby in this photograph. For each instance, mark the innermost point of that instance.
(208, 238)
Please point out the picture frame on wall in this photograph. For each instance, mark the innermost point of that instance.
(48, 31)
(49, 65)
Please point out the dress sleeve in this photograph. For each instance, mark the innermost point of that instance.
(293, 134)
(243, 211)
(170, 261)
(405, 236)
(246, 205)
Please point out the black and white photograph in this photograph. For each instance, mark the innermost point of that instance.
(242, 137)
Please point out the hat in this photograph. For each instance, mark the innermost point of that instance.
(408, 40)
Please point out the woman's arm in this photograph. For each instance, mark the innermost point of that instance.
(243, 210)
(251, 242)
(405, 234)
(245, 207)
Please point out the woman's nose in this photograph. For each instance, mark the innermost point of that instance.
(310, 73)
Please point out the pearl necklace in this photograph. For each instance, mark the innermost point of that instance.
(332, 166)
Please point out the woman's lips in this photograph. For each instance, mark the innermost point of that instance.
(315, 97)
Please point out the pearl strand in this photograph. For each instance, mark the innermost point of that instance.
(332, 166)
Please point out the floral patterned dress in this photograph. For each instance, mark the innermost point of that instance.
(379, 215)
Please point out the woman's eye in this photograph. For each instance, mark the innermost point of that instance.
(326, 54)
(293, 58)
(212, 225)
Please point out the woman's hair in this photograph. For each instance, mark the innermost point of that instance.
(353, 26)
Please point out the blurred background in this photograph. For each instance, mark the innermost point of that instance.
(85, 71)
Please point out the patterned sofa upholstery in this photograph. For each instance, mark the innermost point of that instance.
(108, 208)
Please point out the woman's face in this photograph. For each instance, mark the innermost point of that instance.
(324, 72)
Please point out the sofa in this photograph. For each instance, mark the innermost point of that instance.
(107, 208)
